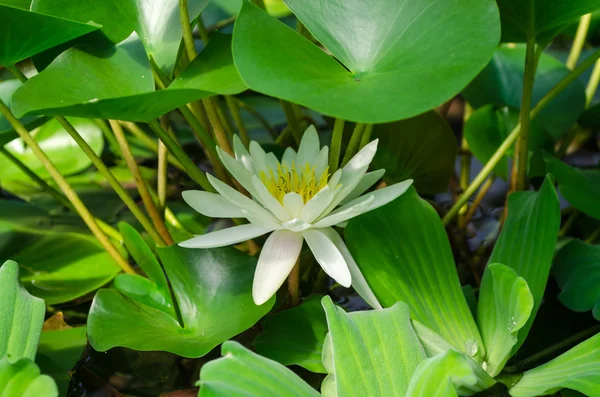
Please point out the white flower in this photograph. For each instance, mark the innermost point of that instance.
(297, 200)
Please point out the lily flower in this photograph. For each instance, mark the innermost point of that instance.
(296, 200)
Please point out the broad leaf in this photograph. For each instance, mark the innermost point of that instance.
(577, 369)
(23, 379)
(7, 133)
(501, 83)
(409, 259)
(20, 225)
(526, 243)
(391, 66)
(212, 289)
(422, 148)
(581, 188)
(20, 41)
(21, 316)
(295, 336)
(241, 373)
(505, 304)
(373, 353)
(577, 270)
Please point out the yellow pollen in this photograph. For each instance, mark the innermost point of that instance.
(284, 181)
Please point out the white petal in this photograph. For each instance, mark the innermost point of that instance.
(365, 203)
(229, 236)
(328, 256)
(242, 155)
(269, 201)
(296, 225)
(365, 183)
(293, 204)
(309, 148)
(359, 283)
(259, 156)
(212, 204)
(289, 157)
(237, 169)
(240, 200)
(347, 183)
(272, 161)
(276, 261)
(321, 162)
(362, 158)
(316, 205)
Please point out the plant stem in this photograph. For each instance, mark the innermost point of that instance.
(569, 222)
(354, 142)
(578, 43)
(336, 145)
(519, 174)
(188, 38)
(137, 132)
(478, 199)
(592, 86)
(204, 34)
(108, 135)
(258, 116)
(62, 183)
(593, 237)
(140, 183)
(366, 136)
(223, 117)
(292, 120)
(511, 138)
(234, 109)
(190, 167)
(294, 285)
(215, 121)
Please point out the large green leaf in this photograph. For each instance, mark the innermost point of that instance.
(212, 289)
(422, 148)
(21, 316)
(117, 83)
(372, 353)
(391, 66)
(577, 270)
(577, 369)
(403, 251)
(241, 373)
(295, 336)
(581, 188)
(501, 83)
(526, 243)
(23, 379)
(20, 41)
(7, 133)
(61, 267)
(20, 225)
(543, 18)
(504, 307)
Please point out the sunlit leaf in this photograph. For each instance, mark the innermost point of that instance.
(23, 379)
(7, 133)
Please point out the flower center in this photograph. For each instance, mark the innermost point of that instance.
(284, 181)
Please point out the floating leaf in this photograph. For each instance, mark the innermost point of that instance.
(7, 132)
(23, 379)
(391, 66)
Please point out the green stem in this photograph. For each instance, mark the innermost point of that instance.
(578, 43)
(62, 183)
(292, 120)
(234, 109)
(223, 117)
(512, 137)
(192, 170)
(137, 132)
(336, 145)
(188, 38)
(108, 135)
(569, 222)
(204, 34)
(258, 117)
(366, 136)
(593, 237)
(354, 142)
(215, 121)
(592, 86)
(161, 182)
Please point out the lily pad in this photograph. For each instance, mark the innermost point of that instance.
(391, 66)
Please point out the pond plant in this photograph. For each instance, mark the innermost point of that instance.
(235, 198)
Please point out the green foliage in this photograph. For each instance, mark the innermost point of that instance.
(22, 379)
(7, 133)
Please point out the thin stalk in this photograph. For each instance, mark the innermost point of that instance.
(292, 120)
(354, 142)
(336, 145)
(579, 42)
(258, 117)
(478, 199)
(172, 219)
(218, 128)
(17, 73)
(108, 135)
(366, 136)
(512, 137)
(564, 146)
(161, 182)
(294, 285)
(140, 183)
(190, 167)
(519, 174)
(223, 117)
(283, 136)
(592, 86)
(136, 131)
(593, 237)
(188, 38)
(62, 183)
(204, 34)
(569, 222)
(234, 109)
(221, 24)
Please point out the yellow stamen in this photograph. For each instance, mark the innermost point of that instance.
(285, 181)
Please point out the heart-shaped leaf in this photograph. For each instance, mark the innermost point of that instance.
(422, 148)
(391, 66)
(212, 289)
(409, 259)
(23, 379)
(7, 132)
(577, 270)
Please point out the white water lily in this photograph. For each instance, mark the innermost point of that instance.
(296, 200)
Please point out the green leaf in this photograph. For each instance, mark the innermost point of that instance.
(581, 188)
(23, 379)
(20, 41)
(241, 373)
(409, 259)
(505, 305)
(544, 18)
(526, 243)
(501, 83)
(21, 316)
(385, 49)
(422, 148)
(117, 83)
(212, 289)
(577, 369)
(295, 336)
(7, 132)
(372, 353)
(577, 271)
(20, 225)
